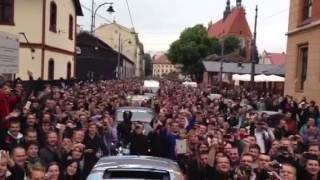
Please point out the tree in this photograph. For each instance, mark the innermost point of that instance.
(232, 44)
(192, 46)
(148, 64)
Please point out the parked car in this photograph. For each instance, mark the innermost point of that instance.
(135, 168)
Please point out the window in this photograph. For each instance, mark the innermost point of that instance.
(307, 9)
(6, 12)
(68, 70)
(51, 70)
(53, 17)
(302, 65)
(135, 174)
(70, 27)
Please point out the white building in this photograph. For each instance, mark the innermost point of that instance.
(126, 41)
(46, 31)
(161, 65)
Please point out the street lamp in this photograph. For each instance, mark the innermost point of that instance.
(120, 48)
(94, 13)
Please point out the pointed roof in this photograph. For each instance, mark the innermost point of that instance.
(234, 24)
(277, 58)
(161, 59)
(114, 23)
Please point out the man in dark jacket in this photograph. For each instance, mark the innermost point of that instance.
(124, 128)
(49, 153)
(139, 142)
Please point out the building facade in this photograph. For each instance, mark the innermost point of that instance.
(272, 58)
(46, 30)
(161, 65)
(97, 60)
(233, 23)
(303, 50)
(125, 41)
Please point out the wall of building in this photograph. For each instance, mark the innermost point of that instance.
(29, 61)
(61, 37)
(312, 83)
(29, 20)
(109, 33)
(303, 33)
(60, 64)
(161, 69)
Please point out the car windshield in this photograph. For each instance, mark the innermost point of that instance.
(136, 174)
(143, 115)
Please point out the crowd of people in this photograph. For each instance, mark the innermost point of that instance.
(60, 131)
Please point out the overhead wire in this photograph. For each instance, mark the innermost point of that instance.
(100, 16)
(130, 15)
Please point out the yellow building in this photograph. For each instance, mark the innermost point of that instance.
(126, 41)
(303, 50)
(46, 30)
(161, 65)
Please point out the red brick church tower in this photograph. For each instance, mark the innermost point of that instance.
(234, 23)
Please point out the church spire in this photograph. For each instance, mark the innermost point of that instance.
(228, 10)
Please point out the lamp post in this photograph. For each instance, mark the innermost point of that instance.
(253, 50)
(94, 13)
(221, 64)
(120, 48)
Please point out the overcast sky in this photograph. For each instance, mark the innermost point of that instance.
(159, 22)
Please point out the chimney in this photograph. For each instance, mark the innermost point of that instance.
(239, 3)
(227, 11)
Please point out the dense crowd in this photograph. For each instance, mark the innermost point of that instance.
(61, 131)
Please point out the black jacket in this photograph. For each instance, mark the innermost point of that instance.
(47, 156)
(139, 144)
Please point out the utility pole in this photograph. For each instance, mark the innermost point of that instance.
(119, 56)
(253, 49)
(92, 17)
(221, 64)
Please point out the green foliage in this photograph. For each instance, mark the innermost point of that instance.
(192, 46)
(232, 44)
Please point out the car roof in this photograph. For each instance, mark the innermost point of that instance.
(133, 107)
(134, 162)
(270, 113)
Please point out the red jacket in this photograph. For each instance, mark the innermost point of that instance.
(7, 102)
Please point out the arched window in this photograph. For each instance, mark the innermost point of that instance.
(6, 12)
(70, 27)
(53, 17)
(51, 69)
(68, 70)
